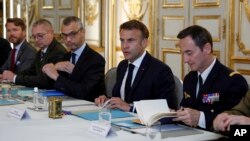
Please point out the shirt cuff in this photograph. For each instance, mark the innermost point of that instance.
(202, 120)
(14, 79)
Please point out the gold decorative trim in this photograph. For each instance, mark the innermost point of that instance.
(242, 60)
(216, 53)
(247, 8)
(231, 39)
(48, 4)
(166, 51)
(207, 18)
(241, 45)
(243, 71)
(65, 6)
(206, 3)
(91, 11)
(135, 9)
(173, 4)
(176, 18)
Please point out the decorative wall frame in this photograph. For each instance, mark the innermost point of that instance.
(206, 3)
(242, 46)
(210, 22)
(65, 4)
(47, 4)
(173, 4)
(177, 23)
(174, 53)
(93, 19)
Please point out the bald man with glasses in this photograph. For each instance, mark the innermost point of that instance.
(51, 51)
(81, 75)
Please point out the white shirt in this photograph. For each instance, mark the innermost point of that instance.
(137, 64)
(204, 75)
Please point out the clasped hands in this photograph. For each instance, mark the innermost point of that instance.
(7, 75)
(51, 70)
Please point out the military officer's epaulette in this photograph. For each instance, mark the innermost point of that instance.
(233, 73)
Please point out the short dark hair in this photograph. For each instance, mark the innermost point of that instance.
(70, 19)
(17, 22)
(134, 24)
(199, 35)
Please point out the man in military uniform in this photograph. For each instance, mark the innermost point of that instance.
(210, 88)
(239, 115)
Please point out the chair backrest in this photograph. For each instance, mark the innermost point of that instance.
(110, 80)
(178, 91)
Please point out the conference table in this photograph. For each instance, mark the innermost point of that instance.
(39, 127)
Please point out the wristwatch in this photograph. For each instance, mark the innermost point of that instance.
(131, 109)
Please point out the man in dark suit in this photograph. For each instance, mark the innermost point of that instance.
(4, 50)
(210, 88)
(23, 54)
(81, 75)
(51, 51)
(151, 79)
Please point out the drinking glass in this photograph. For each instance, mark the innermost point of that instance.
(153, 133)
(105, 116)
(6, 89)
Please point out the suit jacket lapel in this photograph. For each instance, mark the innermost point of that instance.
(207, 86)
(140, 73)
(20, 52)
(81, 60)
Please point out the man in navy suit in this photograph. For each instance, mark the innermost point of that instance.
(4, 50)
(24, 53)
(81, 75)
(51, 51)
(151, 78)
(210, 87)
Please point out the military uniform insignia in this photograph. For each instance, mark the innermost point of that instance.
(233, 73)
(186, 95)
(210, 98)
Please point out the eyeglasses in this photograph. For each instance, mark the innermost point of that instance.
(71, 34)
(38, 36)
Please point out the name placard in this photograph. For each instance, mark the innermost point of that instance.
(18, 113)
(100, 129)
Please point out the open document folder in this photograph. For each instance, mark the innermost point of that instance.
(94, 115)
(151, 111)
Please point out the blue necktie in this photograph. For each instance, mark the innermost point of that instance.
(73, 58)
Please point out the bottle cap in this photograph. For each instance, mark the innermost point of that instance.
(35, 89)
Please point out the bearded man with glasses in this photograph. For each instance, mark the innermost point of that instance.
(81, 75)
(51, 51)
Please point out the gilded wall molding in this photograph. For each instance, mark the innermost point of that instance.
(135, 9)
(167, 51)
(242, 47)
(91, 11)
(206, 3)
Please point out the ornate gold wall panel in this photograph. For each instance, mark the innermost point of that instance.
(173, 3)
(206, 3)
(171, 25)
(212, 23)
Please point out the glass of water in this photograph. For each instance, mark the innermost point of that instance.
(6, 89)
(105, 116)
(153, 133)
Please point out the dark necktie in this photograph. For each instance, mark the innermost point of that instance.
(13, 58)
(42, 56)
(128, 82)
(73, 58)
(200, 83)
